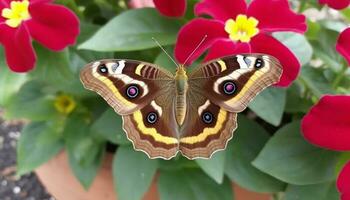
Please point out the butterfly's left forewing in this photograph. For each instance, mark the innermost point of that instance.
(126, 85)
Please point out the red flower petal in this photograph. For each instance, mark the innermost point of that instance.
(343, 182)
(171, 8)
(226, 47)
(276, 15)
(54, 26)
(266, 44)
(221, 9)
(192, 33)
(20, 55)
(327, 123)
(343, 44)
(336, 4)
(134, 4)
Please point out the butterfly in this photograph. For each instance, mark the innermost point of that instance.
(195, 114)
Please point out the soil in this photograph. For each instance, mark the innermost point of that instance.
(26, 187)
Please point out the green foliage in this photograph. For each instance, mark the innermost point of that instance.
(143, 24)
(192, 184)
(32, 102)
(39, 142)
(10, 84)
(288, 157)
(109, 127)
(214, 166)
(84, 152)
(323, 191)
(132, 173)
(269, 105)
(249, 139)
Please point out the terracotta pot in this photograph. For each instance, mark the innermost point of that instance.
(58, 179)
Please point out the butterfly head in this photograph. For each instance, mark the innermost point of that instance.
(181, 70)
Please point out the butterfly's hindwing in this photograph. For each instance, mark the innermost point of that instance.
(207, 128)
(153, 128)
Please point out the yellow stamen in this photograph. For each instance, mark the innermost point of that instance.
(17, 13)
(242, 29)
(64, 104)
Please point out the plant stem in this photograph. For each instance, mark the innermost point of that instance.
(302, 6)
(340, 76)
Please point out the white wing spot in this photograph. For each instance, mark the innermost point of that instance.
(242, 63)
(203, 107)
(157, 107)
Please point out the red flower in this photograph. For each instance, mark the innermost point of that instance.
(336, 4)
(171, 8)
(238, 28)
(328, 125)
(53, 26)
(343, 44)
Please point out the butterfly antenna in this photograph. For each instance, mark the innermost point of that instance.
(200, 43)
(161, 47)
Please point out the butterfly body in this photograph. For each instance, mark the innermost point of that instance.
(194, 114)
(181, 83)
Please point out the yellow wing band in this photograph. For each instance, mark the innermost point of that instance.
(207, 131)
(152, 131)
(246, 87)
(138, 69)
(114, 90)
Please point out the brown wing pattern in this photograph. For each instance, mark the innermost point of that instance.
(135, 90)
(145, 95)
(153, 129)
(218, 90)
(207, 128)
(234, 81)
(125, 84)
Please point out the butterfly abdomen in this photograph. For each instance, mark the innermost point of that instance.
(181, 93)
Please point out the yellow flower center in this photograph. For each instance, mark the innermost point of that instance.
(242, 29)
(17, 13)
(64, 104)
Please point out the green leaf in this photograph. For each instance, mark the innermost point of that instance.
(324, 191)
(31, 102)
(295, 102)
(10, 83)
(38, 143)
(85, 153)
(133, 173)
(192, 184)
(133, 30)
(269, 105)
(315, 80)
(53, 68)
(248, 141)
(215, 166)
(324, 48)
(109, 127)
(288, 157)
(298, 44)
